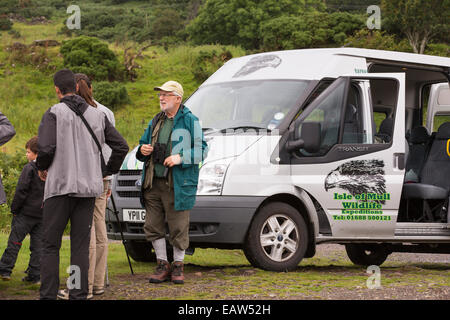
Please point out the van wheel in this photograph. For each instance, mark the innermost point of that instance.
(277, 238)
(366, 254)
(140, 251)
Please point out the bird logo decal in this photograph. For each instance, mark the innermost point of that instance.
(359, 177)
(257, 63)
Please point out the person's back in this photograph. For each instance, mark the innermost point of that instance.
(76, 168)
(71, 158)
(29, 194)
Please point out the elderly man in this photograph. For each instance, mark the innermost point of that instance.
(172, 148)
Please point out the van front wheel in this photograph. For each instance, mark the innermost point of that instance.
(277, 238)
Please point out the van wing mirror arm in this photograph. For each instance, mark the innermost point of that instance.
(294, 145)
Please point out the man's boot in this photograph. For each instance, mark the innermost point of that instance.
(162, 272)
(177, 273)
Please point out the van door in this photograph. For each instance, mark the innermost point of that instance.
(356, 173)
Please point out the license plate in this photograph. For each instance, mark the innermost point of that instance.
(134, 215)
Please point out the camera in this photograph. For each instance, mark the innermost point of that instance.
(159, 152)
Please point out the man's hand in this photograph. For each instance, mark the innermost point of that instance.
(108, 193)
(146, 149)
(172, 160)
(42, 175)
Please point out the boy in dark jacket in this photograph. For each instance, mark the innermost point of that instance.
(26, 208)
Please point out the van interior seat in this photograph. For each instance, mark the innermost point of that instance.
(419, 142)
(351, 131)
(434, 178)
(386, 129)
(436, 170)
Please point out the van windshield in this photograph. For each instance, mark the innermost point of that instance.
(245, 104)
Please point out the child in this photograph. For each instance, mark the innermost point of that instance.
(26, 208)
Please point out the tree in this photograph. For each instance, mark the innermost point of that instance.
(316, 29)
(418, 20)
(238, 22)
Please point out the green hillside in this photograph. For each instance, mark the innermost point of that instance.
(27, 92)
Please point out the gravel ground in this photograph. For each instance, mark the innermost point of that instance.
(404, 276)
(421, 268)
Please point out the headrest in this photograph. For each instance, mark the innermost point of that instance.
(350, 113)
(419, 135)
(443, 131)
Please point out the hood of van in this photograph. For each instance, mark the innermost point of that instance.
(227, 146)
(219, 147)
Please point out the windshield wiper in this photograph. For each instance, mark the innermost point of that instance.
(236, 128)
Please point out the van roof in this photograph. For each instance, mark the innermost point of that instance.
(315, 64)
(413, 58)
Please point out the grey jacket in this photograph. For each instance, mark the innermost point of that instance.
(6, 133)
(106, 150)
(69, 153)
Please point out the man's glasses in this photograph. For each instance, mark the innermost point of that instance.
(166, 95)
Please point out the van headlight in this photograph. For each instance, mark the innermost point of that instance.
(211, 179)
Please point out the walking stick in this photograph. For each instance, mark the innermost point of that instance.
(116, 213)
(107, 276)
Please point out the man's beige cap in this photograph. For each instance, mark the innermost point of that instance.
(171, 86)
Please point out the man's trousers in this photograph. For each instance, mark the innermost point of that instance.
(57, 212)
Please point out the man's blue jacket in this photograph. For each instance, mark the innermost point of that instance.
(187, 140)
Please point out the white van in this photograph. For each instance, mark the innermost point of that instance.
(350, 146)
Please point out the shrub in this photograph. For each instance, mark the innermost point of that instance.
(111, 94)
(438, 49)
(35, 56)
(5, 24)
(380, 40)
(92, 57)
(207, 62)
(10, 167)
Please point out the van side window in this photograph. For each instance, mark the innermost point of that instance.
(347, 117)
(384, 95)
(328, 114)
(353, 124)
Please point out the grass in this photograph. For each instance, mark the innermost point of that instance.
(226, 274)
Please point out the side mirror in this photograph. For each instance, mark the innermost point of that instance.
(309, 138)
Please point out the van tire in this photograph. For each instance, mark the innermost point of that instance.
(287, 250)
(140, 251)
(369, 254)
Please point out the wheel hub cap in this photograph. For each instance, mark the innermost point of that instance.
(279, 237)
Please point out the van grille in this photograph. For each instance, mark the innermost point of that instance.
(130, 172)
(129, 194)
(127, 183)
(126, 179)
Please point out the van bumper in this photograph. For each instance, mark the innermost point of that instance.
(215, 221)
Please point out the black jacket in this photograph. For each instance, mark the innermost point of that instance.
(29, 192)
